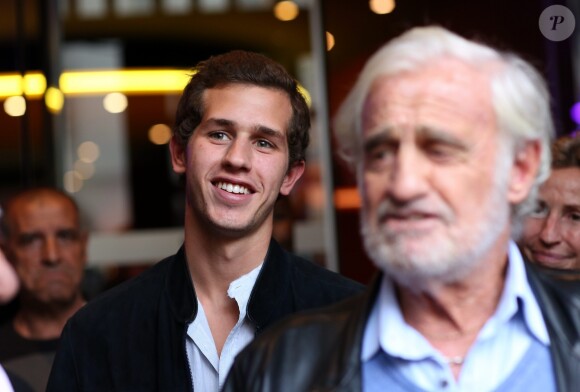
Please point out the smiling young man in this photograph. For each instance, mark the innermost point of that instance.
(240, 137)
(551, 235)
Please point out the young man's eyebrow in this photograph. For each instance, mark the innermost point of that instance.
(270, 132)
(221, 122)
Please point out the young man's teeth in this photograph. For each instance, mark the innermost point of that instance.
(233, 188)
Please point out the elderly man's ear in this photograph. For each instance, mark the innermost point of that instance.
(524, 170)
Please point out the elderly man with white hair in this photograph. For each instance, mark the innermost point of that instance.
(450, 141)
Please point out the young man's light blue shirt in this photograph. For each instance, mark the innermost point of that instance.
(208, 370)
(499, 347)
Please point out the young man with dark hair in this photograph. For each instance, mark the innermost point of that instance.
(240, 136)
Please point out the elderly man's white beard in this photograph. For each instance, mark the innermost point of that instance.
(422, 261)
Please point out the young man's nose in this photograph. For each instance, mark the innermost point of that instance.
(239, 154)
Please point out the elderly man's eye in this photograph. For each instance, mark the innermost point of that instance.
(541, 210)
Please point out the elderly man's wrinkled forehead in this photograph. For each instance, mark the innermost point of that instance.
(447, 85)
(443, 69)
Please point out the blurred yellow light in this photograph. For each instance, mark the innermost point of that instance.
(115, 102)
(15, 106)
(305, 94)
(33, 85)
(151, 81)
(286, 10)
(329, 41)
(159, 134)
(10, 85)
(382, 7)
(88, 152)
(124, 81)
(54, 99)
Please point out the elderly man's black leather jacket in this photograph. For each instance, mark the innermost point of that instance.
(333, 338)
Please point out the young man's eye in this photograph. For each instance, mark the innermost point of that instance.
(218, 135)
(264, 144)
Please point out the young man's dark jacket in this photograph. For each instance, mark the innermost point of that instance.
(133, 337)
(320, 351)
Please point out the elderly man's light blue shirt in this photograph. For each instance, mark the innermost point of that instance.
(499, 347)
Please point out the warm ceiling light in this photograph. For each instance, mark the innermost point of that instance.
(88, 151)
(305, 94)
(84, 169)
(115, 102)
(33, 85)
(54, 100)
(286, 10)
(11, 85)
(347, 198)
(72, 181)
(329, 41)
(15, 106)
(159, 134)
(125, 81)
(382, 7)
(143, 81)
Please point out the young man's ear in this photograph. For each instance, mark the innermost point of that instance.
(292, 176)
(524, 170)
(178, 160)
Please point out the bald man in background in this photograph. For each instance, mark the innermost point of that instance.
(42, 238)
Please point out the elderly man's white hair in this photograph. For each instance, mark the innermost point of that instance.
(519, 95)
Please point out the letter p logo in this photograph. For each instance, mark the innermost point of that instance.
(557, 19)
(557, 23)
